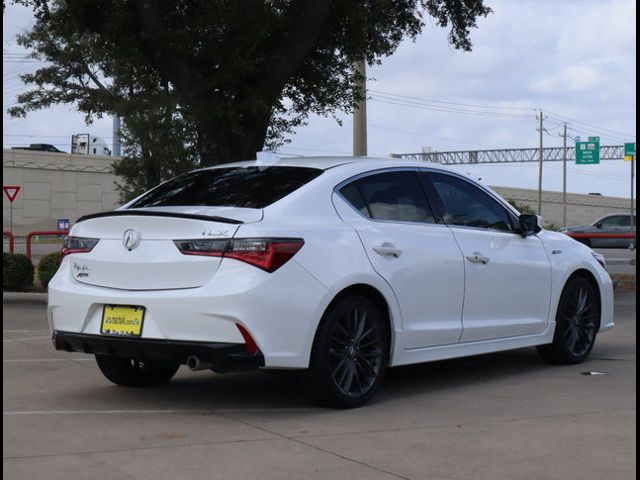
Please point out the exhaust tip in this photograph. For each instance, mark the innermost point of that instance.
(193, 362)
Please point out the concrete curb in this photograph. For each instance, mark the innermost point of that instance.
(24, 298)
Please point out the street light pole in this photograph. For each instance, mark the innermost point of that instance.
(360, 113)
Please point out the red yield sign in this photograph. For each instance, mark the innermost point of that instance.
(11, 191)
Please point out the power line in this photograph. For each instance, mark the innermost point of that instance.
(406, 132)
(451, 103)
(578, 122)
(444, 110)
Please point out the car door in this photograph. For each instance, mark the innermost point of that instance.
(507, 277)
(416, 255)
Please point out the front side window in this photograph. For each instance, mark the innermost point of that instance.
(393, 196)
(248, 187)
(467, 205)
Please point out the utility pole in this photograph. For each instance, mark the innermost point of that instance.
(360, 113)
(116, 136)
(540, 170)
(564, 176)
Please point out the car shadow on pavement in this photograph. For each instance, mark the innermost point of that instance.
(285, 389)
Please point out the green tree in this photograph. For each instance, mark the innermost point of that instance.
(236, 74)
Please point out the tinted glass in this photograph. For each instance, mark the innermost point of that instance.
(396, 196)
(467, 205)
(249, 187)
(352, 194)
(616, 221)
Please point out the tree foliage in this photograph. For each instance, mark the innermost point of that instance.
(237, 73)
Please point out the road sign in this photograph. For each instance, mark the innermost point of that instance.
(63, 224)
(11, 191)
(594, 139)
(587, 153)
(629, 149)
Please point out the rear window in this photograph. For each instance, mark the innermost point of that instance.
(248, 187)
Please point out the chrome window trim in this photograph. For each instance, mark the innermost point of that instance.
(509, 209)
(343, 183)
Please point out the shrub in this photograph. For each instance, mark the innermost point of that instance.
(48, 267)
(17, 272)
(523, 208)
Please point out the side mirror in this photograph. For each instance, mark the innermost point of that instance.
(529, 225)
(598, 225)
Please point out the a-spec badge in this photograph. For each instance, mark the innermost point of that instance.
(215, 233)
(130, 238)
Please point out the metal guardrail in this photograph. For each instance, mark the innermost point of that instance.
(44, 233)
(11, 238)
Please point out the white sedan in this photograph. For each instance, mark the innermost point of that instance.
(342, 267)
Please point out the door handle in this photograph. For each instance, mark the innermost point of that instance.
(477, 258)
(387, 250)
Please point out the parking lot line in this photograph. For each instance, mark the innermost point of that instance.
(101, 412)
(25, 339)
(21, 360)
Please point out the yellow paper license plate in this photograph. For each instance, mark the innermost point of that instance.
(122, 320)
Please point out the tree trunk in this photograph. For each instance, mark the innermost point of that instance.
(217, 145)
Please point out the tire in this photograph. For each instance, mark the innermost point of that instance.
(577, 322)
(350, 354)
(129, 372)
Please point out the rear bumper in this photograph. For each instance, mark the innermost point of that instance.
(280, 310)
(223, 357)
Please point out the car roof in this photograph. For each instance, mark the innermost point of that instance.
(326, 163)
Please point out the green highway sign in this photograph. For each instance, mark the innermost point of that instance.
(587, 153)
(629, 149)
(594, 139)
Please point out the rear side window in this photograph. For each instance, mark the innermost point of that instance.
(616, 221)
(395, 196)
(248, 187)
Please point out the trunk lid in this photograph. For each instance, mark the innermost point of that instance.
(153, 262)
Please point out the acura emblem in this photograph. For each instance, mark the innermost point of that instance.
(130, 238)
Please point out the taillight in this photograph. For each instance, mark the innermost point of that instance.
(78, 245)
(269, 254)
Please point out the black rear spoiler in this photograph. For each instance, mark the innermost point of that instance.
(148, 213)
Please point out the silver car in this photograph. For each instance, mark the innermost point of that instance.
(594, 235)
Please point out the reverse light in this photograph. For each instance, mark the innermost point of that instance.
(78, 245)
(268, 254)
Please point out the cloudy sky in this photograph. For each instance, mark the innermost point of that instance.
(574, 59)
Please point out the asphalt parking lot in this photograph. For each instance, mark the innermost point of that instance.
(499, 416)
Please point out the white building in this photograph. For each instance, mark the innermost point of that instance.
(87, 144)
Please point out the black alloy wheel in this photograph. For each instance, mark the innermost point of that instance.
(350, 354)
(577, 322)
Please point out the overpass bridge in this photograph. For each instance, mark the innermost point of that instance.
(509, 155)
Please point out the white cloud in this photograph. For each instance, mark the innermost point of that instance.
(574, 78)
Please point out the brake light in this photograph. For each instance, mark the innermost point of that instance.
(269, 254)
(77, 245)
